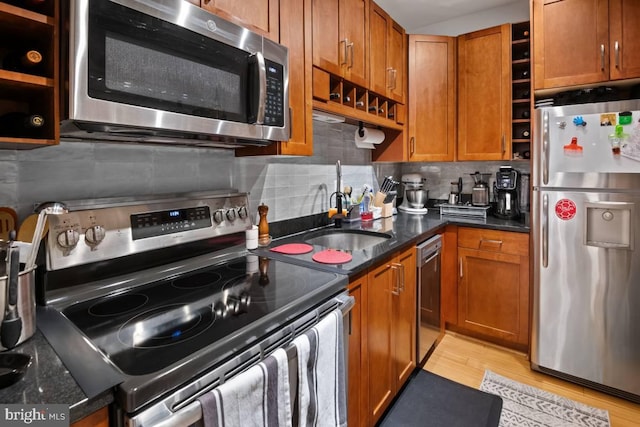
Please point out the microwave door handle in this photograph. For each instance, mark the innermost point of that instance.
(262, 91)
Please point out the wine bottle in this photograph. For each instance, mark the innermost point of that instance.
(334, 95)
(18, 124)
(525, 114)
(525, 74)
(526, 133)
(23, 61)
(347, 98)
(373, 109)
(359, 103)
(525, 94)
(525, 54)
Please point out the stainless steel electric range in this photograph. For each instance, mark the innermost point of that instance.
(158, 300)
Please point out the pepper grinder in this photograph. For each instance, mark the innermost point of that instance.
(263, 226)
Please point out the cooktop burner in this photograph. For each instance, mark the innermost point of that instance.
(160, 323)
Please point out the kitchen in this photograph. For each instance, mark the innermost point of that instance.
(291, 186)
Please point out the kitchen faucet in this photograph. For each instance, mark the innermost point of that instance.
(337, 218)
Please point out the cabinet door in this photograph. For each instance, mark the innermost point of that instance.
(493, 295)
(354, 32)
(404, 319)
(484, 94)
(328, 52)
(381, 281)
(355, 399)
(432, 98)
(570, 39)
(624, 39)
(261, 16)
(396, 61)
(378, 40)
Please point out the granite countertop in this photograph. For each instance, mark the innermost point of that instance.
(404, 230)
(48, 381)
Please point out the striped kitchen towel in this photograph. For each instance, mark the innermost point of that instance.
(257, 397)
(322, 400)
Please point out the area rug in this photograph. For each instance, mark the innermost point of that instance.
(527, 406)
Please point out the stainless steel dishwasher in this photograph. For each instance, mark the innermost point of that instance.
(428, 302)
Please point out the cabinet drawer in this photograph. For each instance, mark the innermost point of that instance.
(494, 240)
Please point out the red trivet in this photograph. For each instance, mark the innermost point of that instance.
(293, 248)
(331, 256)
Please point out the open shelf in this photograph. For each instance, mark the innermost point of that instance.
(521, 90)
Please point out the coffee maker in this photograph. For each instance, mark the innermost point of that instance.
(506, 190)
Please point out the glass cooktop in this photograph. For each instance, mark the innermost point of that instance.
(153, 326)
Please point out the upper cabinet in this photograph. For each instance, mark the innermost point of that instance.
(387, 57)
(484, 94)
(339, 38)
(261, 16)
(577, 42)
(432, 98)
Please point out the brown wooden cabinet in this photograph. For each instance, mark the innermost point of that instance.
(100, 418)
(493, 284)
(355, 412)
(577, 43)
(432, 121)
(390, 330)
(261, 16)
(484, 94)
(387, 56)
(340, 34)
(31, 93)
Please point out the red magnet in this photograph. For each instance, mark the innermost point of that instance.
(566, 209)
(573, 149)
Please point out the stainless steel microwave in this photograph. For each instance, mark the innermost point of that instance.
(166, 71)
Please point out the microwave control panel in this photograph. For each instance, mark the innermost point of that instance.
(274, 111)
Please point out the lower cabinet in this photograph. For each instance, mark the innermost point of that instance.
(493, 284)
(357, 288)
(100, 418)
(390, 325)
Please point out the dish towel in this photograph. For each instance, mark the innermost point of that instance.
(257, 397)
(322, 400)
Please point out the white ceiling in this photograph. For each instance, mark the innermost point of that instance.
(414, 14)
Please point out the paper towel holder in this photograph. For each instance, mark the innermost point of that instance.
(361, 129)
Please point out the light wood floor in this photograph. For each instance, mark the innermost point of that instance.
(464, 360)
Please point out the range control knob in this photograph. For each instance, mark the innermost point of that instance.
(68, 239)
(242, 212)
(231, 215)
(94, 234)
(218, 216)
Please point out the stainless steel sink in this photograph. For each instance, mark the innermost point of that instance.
(351, 240)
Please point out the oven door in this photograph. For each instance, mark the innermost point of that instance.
(169, 65)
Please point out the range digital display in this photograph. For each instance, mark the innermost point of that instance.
(159, 223)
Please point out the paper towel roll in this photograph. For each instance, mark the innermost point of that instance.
(369, 138)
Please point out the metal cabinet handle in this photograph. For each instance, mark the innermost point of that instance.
(395, 79)
(495, 242)
(545, 148)
(290, 123)
(389, 78)
(616, 48)
(402, 276)
(545, 230)
(345, 54)
(504, 144)
(602, 57)
(460, 264)
(412, 146)
(350, 46)
(396, 287)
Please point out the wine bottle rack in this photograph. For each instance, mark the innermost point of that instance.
(521, 90)
(31, 93)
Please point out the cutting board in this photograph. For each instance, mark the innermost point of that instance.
(332, 256)
(28, 228)
(293, 248)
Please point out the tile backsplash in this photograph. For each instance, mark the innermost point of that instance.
(290, 186)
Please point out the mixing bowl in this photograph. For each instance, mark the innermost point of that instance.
(417, 197)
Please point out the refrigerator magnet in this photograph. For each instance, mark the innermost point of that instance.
(608, 119)
(566, 209)
(573, 149)
(579, 121)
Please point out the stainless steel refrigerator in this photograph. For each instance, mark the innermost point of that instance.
(586, 241)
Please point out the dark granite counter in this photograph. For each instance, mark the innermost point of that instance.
(48, 381)
(404, 230)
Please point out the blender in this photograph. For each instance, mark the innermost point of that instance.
(415, 195)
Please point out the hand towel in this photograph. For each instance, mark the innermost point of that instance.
(257, 397)
(322, 400)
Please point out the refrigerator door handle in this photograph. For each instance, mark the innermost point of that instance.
(545, 231)
(545, 148)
